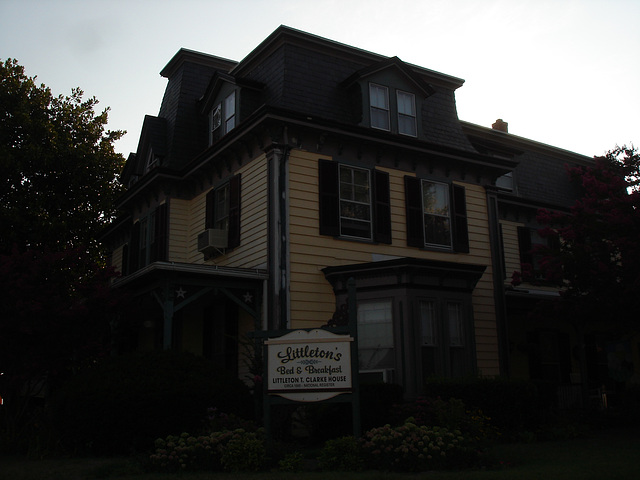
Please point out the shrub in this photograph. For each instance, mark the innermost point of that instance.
(234, 451)
(341, 454)
(452, 414)
(125, 403)
(414, 448)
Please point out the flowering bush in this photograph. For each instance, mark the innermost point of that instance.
(415, 448)
(342, 454)
(452, 414)
(225, 450)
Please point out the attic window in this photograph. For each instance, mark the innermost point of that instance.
(406, 113)
(152, 162)
(215, 120)
(230, 112)
(379, 101)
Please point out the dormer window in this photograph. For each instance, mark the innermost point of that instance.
(230, 112)
(379, 98)
(152, 162)
(406, 113)
(215, 120)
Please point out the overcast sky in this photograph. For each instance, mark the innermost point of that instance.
(561, 72)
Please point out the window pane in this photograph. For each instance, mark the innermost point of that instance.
(407, 125)
(375, 335)
(437, 230)
(379, 96)
(435, 198)
(428, 322)
(230, 106)
(406, 104)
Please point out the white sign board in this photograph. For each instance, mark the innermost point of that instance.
(309, 366)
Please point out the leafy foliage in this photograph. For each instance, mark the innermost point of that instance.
(58, 167)
(55, 320)
(597, 260)
(126, 402)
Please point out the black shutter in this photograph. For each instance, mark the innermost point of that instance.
(459, 219)
(382, 225)
(160, 234)
(329, 198)
(413, 205)
(134, 248)
(209, 211)
(234, 212)
(524, 245)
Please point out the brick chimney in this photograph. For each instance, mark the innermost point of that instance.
(501, 126)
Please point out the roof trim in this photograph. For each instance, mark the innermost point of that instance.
(185, 55)
(284, 34)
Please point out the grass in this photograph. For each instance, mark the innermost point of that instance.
(609, 454)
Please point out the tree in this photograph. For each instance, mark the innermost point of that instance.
(58, 184)
(595, 253)
(57, 308)
(58, 166)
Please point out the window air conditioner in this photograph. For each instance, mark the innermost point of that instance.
(212, 238)
(378, 376)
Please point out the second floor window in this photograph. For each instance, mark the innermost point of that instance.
(379, 98)
(436, 215)
(354, 202)
(222, 207)
(222, 210)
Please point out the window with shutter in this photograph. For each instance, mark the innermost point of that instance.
(223, 210)
(354, 202)
(436, 215)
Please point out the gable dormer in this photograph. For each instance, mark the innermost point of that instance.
(227, 101)
(387, 96)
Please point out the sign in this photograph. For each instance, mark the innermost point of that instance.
(309, 366)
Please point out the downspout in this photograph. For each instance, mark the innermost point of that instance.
(278, 246)
(497, 261)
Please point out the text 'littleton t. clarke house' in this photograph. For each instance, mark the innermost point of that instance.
(263, 185)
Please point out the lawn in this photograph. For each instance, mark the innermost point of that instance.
(610, 455)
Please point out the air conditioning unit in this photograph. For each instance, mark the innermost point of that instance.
(385, 375)
(212, 239)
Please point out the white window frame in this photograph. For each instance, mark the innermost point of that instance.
(353, 202)
(377, 110)
(409, 116)
(230, 112)
(437, 215)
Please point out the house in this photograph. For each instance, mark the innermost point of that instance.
(263, 185)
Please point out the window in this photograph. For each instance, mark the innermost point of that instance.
(444, 345)
(436, 215)
(222, 207)
(406, 113)
(223, 210)
(375, 335)
(354, 202)
(531, 246)
(230, 112)
(379, 101)
(505, 182)
(149, 239)
(152, 162)
(436, 211)
(215, 120)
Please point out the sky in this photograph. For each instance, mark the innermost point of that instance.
(560, 72)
